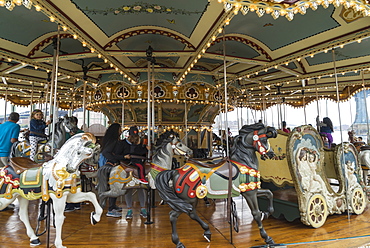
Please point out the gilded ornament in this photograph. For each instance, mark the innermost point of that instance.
(243, 187)
(252, 172)
(252, 185)
(244, 170)
(201, 191)
(140, 7)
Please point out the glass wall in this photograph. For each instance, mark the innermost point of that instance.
(342, 116)
(24, 112)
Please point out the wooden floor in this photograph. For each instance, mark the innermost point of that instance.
(338, 231)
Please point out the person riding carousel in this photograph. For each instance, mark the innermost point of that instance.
(326, 129)
(134, 153)
(37, 130)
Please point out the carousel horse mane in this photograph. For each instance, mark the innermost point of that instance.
(164, 139)
(246, 129)
(351, 136)
(161, 151)
(64, 125)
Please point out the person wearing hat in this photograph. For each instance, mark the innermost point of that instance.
(9, 132)
(134, 154)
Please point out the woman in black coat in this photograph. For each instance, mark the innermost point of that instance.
(112, 151)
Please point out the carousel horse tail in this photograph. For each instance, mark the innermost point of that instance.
(167, 192)
(103, 176)
(102, 187)
(13, 150)
(42, 217)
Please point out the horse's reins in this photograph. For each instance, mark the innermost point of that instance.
(257, 141)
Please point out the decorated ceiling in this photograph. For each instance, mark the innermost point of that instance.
(264, 52)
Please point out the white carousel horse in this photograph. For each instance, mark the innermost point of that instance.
(120, 180)
(63, 126)
(56, 179)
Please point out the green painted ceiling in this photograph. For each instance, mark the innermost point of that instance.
(262, 54)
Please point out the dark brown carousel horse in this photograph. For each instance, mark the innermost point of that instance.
(181, 188)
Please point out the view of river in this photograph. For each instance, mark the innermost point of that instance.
(336, 135)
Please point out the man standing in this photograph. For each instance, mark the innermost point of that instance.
(9, 132)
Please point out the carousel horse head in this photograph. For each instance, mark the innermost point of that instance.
(74, 151)
(255, 137)
(171, 139)
(70, 123)
(64, 125)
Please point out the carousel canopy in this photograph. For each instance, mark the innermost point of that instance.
(267, 52)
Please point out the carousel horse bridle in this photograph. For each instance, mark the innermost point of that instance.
(175, 148)
(257, 141)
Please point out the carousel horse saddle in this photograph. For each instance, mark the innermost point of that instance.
(20, 164)
(209, 163)
(363, 148)
(132, 168)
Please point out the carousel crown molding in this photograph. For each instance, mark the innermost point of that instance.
(277, 8)
(10, 4)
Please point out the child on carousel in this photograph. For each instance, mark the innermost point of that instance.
(134, 153)
(37, 130)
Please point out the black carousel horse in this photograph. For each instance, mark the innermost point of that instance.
(181, 188)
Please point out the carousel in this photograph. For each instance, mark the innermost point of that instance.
(170, 66)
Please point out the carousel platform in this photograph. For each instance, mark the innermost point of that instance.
(338, 231)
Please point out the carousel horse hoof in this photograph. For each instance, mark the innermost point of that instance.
(265, 215)
(35, 242)
(93, 221)
(269, 241)
(180, 245)
(207, 237)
